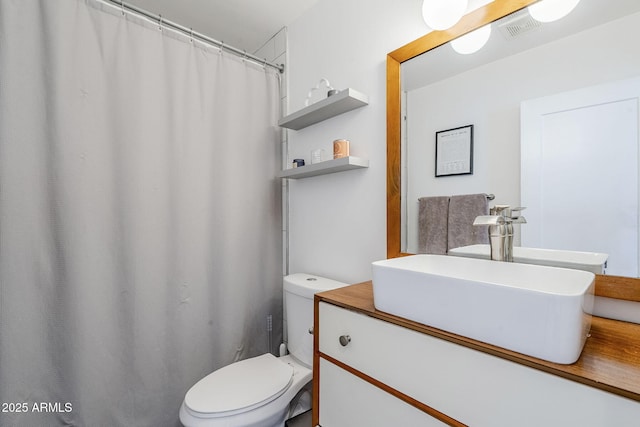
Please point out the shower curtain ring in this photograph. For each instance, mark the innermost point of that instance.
(124, 13)
(160, 22)
(191, 35)
(244, 56)
(221, 47)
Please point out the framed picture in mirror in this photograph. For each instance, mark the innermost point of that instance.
(454, 151)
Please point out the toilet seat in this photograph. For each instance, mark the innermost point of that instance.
(239, 387)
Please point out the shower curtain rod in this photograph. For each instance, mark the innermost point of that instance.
(193, 34)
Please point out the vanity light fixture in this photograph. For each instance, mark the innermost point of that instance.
(473, 41)
(551, 10)
(443, 14)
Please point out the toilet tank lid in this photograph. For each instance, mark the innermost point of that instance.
(306, 285)
(240, 387)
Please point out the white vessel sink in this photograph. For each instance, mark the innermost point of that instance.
(588, 261)
(535, 310)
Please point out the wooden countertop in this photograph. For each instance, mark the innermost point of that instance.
(610, 360)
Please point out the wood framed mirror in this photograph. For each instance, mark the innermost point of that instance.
(610, 286)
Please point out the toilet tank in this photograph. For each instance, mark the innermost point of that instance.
(298, 303)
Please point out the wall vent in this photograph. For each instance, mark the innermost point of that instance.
(520, 23)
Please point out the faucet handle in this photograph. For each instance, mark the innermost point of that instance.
(516, 217)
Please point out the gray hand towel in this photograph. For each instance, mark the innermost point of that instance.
(432, 225)
(463, 209)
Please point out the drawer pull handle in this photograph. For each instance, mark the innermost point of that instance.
(344, 340)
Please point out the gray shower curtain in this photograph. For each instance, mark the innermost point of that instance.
(140, 223)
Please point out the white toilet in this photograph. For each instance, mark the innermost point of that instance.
(259, 391)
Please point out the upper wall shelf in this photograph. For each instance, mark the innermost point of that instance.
(343, 101)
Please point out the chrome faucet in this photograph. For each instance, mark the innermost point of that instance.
(500, 221)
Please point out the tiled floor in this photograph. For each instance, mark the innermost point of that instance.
(302, 420)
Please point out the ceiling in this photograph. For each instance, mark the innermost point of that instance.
(444, 62)
(244, 24)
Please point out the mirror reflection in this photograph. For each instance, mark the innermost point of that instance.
(554, 110)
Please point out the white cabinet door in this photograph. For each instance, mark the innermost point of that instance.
(348, 401)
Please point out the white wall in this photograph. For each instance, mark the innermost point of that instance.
(337, 222)
(493, 107)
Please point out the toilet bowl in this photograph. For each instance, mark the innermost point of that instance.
(252, 392)
(259, 391)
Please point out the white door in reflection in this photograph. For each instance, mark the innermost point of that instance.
(580, 172)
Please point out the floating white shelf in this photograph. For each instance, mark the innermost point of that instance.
(322, 168)
(343, 101)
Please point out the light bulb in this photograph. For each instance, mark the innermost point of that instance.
(473, 41)
(443, 14)
(551, 10)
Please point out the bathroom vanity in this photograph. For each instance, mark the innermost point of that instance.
(375, 369)
(392, 371)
